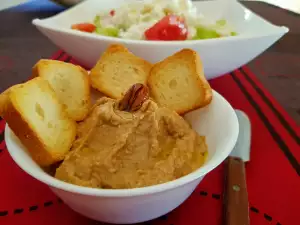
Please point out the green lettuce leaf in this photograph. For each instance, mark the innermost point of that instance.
(109, 31)
(221, 22)
(205, 33)
(97, 21)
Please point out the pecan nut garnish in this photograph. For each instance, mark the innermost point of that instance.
(134, 98)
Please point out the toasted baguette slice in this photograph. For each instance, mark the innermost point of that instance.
(178, 82)
(34, 113)
(70, 83)
(117, 70)
(4, 99)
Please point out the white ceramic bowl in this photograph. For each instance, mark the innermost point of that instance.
(219, 56)
(218, 122)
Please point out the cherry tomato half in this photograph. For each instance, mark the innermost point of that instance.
(169, 28)
(86, 27)
(112, 12)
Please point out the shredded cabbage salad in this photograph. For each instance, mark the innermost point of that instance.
(157, 20)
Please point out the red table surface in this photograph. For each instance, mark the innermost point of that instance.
(272, 174)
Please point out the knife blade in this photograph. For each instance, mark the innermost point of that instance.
(242, 146)
(236, 206)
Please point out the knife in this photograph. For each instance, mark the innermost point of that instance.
(236, 206)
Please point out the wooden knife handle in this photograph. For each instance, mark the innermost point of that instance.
(236, 206)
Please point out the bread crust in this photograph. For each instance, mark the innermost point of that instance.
(201, 77)
(28, 138)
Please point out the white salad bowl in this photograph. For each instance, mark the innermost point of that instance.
(217, 121)
(219, 55)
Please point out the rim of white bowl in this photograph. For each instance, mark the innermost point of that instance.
(42, 24)
(55, 183)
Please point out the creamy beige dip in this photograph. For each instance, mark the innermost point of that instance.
(117, 149)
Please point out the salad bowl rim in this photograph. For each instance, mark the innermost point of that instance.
(46, 23)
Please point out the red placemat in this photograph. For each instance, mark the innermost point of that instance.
(272, 174)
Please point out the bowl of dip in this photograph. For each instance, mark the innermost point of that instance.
(226, 34)
(217, 122)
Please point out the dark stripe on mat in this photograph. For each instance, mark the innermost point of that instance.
(280, 117)
(285, 149)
